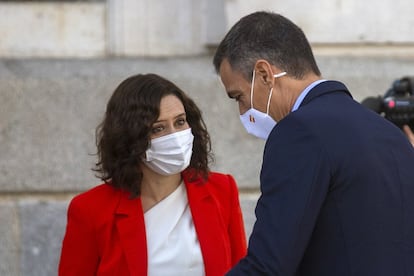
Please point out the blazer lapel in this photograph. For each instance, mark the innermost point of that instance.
(209, 227)
(131, 226)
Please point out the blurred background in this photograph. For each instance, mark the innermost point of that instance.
(61, 60)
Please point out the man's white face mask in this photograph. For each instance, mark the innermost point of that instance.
(255, 122)
(170, 154)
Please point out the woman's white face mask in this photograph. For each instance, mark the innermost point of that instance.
(170, 154)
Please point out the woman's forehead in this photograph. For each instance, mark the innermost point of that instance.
(170, 106)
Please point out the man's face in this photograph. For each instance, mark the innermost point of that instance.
(238, 88)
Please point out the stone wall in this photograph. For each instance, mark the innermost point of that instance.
(190, 27)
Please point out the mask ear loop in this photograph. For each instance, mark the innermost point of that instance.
(271, 90)
(268, 101)
(251, 89)
(279, 75)
(270, 93)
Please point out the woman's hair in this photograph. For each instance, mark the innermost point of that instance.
(269, 36)
(124, 134)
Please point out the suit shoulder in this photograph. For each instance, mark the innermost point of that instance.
(98, 196)
(100, 190)
(221, 182)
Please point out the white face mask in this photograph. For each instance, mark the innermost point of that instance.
(255, 122)
(170, 154)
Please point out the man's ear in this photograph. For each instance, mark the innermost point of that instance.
(264, 73)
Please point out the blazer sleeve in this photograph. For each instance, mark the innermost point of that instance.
(294, 182)
(79, 255)
(236, 226)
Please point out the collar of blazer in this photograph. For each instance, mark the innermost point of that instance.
(210, 227)
(324, 88)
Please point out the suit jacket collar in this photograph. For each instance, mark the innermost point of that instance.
(324, 88)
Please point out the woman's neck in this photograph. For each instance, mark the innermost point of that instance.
(155, 188)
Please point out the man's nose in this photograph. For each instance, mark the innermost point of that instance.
(242, 109)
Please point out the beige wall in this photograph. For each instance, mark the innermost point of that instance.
(187, 27)
(30, 29)
(339, 21)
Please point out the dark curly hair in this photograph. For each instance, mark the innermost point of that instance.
(124, 134)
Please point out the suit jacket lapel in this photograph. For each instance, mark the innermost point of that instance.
(131, 226)
(209, 227)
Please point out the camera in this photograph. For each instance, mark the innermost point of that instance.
(397, 104)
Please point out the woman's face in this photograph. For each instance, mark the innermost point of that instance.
(172, 117)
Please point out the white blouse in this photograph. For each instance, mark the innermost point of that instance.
(172, 243)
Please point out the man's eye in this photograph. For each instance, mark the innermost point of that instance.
(236, 98)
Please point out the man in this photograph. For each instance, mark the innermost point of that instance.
(337, 180)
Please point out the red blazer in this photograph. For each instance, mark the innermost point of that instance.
(105, 232)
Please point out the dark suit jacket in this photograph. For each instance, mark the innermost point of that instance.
(337, 185)
(105, 233)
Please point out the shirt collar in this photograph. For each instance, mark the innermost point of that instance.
(304, 93)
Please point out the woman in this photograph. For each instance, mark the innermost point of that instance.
(160, 211)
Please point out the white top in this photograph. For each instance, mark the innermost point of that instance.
(172, 243)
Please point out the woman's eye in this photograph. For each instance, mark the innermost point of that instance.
(157, 129)
(181, 122)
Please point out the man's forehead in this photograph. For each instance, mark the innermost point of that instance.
(225, 67)
(228, 74)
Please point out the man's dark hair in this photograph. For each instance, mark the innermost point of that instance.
(269, 36)
(124, 134)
